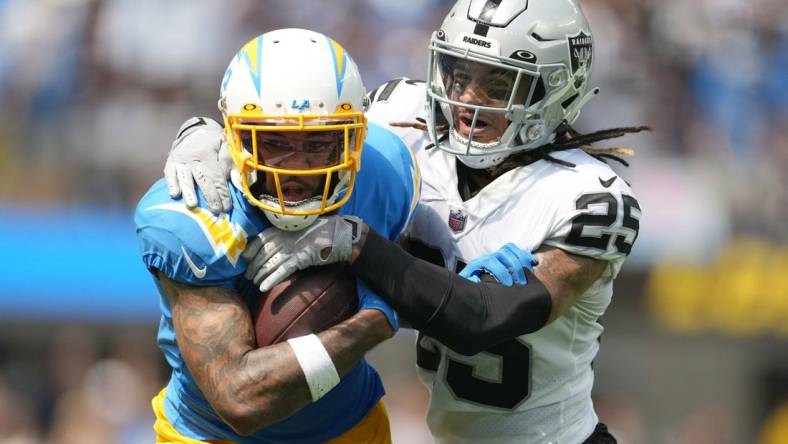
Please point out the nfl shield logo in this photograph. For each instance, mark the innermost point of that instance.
(457, 220)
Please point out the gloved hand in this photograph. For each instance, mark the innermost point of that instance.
(367, 300)
(198, 155)
(506, 265)
(275, 254)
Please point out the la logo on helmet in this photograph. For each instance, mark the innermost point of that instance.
(304, 104)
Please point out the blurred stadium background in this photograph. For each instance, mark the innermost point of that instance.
(92, 92)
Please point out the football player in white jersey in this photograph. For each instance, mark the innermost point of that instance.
(507, 79)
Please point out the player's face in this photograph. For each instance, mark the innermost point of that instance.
(307, 150)
(478, 84)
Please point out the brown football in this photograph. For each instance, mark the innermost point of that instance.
(309, 301)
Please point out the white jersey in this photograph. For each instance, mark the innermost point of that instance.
(535, 388)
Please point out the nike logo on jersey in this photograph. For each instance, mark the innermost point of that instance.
(199, 273)
(608, 182)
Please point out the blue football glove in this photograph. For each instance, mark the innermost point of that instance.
(367, 300)
(506, 265)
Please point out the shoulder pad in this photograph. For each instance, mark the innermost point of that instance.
(388, 185)
(191, 245)
(397, 100)
(596, 212)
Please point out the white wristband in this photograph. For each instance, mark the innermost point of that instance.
(321, 375)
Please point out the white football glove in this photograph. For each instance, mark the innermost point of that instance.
(275, 254)
(199, 155)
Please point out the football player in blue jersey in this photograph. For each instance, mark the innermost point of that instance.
(504, 173)
(293, 105)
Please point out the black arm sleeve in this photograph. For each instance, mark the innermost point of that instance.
(465, 316)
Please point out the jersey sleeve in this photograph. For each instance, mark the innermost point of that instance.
(189, 246)
(399, 99)
(388, 193)
(595, 214)
(400, 107)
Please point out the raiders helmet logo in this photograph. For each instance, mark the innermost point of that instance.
(580, 50)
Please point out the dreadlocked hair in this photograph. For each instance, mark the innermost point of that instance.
(421, 124)
(568, 138)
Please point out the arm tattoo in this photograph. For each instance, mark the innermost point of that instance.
(566, 276)
(253, 387)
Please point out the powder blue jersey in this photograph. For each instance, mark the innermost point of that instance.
(196, 247)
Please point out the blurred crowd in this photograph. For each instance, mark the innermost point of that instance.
(92, 92)
(79, 385)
